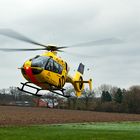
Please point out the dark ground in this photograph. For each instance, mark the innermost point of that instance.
(13, 115)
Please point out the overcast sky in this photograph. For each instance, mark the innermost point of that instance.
(64, 22)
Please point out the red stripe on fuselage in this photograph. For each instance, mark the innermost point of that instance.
(29, 73)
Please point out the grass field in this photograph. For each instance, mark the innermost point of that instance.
(85, 131)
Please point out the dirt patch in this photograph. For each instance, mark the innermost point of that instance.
(12, 115)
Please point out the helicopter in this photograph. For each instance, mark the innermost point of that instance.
(47, 71)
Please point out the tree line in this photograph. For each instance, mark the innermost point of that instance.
(106, 98)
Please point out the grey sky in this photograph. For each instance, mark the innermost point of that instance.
(69, 22)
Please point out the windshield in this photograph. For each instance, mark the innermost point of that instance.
(39, 61)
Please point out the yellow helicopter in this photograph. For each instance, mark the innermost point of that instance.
(47, 71)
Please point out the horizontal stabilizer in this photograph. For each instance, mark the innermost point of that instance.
(89, 82)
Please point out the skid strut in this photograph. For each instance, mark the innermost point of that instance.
(33, 87)
(39, 89)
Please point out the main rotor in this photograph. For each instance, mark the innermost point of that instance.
(15, 35)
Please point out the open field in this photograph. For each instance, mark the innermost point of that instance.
(84, 131)
(54, 124)
(12, 115)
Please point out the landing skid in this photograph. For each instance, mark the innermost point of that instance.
(39, 89)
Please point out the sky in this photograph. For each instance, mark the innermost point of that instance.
(71, 22)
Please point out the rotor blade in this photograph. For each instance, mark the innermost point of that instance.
(107, 41)
(63, 47)
(15, 50)
(80, 55)
(13, 34)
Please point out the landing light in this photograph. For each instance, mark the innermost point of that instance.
(26, 68)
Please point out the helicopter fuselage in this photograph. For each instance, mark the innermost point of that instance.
(46, 71)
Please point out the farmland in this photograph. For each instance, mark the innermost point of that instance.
(42, 123)
(12, 115)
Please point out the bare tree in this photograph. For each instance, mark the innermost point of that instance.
(131, 100)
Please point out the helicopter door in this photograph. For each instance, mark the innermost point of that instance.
(49, 65)
(53, 72)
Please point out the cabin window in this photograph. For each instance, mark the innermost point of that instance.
(60, 69)
(49, 65)
(53, 66)
(56, 67)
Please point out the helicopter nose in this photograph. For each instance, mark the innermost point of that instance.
(28, 71)
(26, 68)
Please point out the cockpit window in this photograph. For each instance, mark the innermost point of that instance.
(47, 63)
(39, 61)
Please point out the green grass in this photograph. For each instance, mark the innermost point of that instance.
(85, 131)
